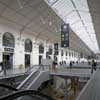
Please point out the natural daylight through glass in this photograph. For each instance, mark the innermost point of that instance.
(76, 13)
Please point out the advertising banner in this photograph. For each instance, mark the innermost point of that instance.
(65, 35)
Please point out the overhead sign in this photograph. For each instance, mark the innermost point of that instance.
(65, 35)
(9, 50)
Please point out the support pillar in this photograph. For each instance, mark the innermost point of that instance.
(66, 92)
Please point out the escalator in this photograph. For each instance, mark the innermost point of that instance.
(24, 85)
(27, 90)
(23, 94)
(34, 80)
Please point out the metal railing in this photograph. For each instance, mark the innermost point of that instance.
(17, 71)
(91, 91)
(33, 76)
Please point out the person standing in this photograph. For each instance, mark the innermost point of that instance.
(4, 68)
(93, 66)
(1, 66)
(54, 66)
(70, 65)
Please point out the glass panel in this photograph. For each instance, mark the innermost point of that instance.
(81, 5)
(8, 40)
(41, 48)
(76, 13)
(28, 45)
(72, 18)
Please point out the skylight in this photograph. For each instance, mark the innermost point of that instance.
(76, 13)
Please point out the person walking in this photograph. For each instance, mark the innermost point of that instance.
(93, 67)
(1, 66)
(70, 65)
(4, 68)
(54, 66)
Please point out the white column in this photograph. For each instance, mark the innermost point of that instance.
(1, 47)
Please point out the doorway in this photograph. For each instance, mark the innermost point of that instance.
(8, 60)
(27, 60)
(40, 58)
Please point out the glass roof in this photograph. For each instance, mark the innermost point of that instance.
(76, 13)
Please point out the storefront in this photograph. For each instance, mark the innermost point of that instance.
(41, 52)
(8, 49)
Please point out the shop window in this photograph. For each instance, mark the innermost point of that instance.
(8, 40)
(28, 45)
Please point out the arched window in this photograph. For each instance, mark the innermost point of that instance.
(41, 48)
(28, 45)
(8, 40)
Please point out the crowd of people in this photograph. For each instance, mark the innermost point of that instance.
(93, 64)
(62, 64)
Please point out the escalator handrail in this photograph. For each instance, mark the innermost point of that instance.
(23, 93)
(23, 82)
(32, 67)
(8, 87)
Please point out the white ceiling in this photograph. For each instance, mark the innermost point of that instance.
(37, 18)
(34, 13)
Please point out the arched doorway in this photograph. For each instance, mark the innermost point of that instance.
(28, 50)
(9, 44)
(41, 51)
